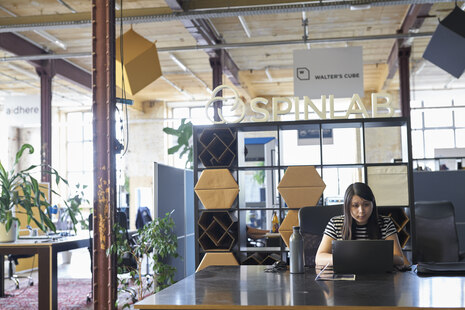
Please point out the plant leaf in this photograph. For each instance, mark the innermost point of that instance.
(174, 149)
(171, 131)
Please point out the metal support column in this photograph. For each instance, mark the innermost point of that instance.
(217, 72)
(46, 74)
(103, 107)
(404, 79)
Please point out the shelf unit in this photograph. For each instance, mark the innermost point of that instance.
(375, 150)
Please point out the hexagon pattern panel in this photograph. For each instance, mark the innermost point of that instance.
(291, 219)
(217, 230)
(216, 189)
(217, 259)
(301, 186)
(217, 147)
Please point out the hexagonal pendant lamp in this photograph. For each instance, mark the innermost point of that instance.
(141, 65)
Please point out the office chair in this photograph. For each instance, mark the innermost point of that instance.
(313, 221)
(435, 232)
(143, 217)
(13, 258)
(256, 236)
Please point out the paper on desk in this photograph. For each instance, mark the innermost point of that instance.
(331, 276)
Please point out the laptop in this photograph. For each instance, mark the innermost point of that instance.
(362, 256)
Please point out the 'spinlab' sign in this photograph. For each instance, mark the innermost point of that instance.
(380, 102)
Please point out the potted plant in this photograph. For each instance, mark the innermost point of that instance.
(155, 240)
(184, 134)
(69, 215)
(21, 193)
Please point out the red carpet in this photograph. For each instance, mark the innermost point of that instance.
(72, 294)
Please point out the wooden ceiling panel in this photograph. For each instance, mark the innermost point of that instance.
(252, 61)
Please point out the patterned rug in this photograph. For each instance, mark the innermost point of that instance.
(72, 294)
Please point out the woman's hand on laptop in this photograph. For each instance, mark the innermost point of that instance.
(324, 254)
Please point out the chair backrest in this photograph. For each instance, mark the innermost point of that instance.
(313, 221)
(143, 217)
(435, 233)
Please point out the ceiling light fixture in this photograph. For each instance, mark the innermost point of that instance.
(447, 85)
(358, 7)
(420, 68)
(178, 62)
(179, 89)
(51, 38)
(268, 74)
(187, 70)
(67, 6)
(245, 26)
(8, 11)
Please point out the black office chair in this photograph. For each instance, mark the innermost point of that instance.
(435, 232)
(313, 221)
(143, 217)
(13, 259)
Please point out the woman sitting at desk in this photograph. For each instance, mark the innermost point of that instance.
(360, 221)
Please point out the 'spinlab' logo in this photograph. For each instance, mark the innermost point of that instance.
(237, 102)
(380, 105)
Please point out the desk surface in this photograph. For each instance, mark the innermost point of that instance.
(47, 250)
(40, 242)
(233, 287)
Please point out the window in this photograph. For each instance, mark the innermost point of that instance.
(438, 121)
(80, 151)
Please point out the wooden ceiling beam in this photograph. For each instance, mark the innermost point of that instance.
(204, 34)
(413, 20)
(14, 44)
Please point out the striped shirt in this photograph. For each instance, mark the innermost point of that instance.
(334, 228)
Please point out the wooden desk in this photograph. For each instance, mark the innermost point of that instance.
(234, 287)
(47, 251)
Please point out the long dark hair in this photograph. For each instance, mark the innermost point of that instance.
(364, 191)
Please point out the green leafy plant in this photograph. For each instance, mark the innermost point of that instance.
(157, 241)
(73, 208)
(184, 134)
(259, 175)
(21, 193)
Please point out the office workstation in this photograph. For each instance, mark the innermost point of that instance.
(47, 250)
(250, 287)
(229, 121)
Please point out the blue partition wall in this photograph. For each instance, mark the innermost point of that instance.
(174, 190)
(444, 185)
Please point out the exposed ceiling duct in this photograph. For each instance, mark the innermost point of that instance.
(232, 45)
(217, 13)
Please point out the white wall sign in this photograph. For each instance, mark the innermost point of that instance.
(335, 71)
(22, 111)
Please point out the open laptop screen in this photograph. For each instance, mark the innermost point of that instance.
(362, 256)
